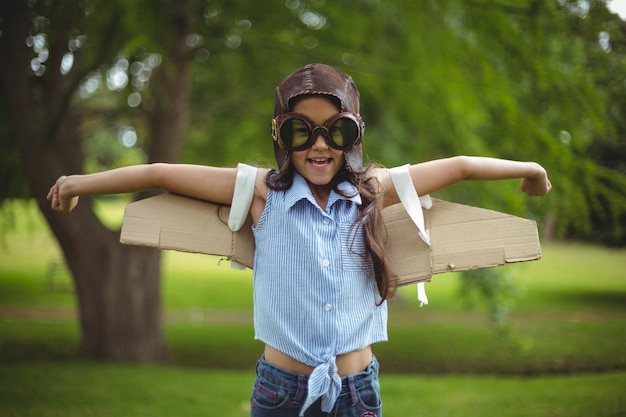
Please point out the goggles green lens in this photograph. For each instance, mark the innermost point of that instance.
(297, 132)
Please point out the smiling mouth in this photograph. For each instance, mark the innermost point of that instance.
(320, 162)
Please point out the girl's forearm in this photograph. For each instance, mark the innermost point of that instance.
(202, 182)
(432, 176)
(480, 168)
(534, 177)
(121, 180)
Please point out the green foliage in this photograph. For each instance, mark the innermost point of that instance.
(11, 173)
(527, 80)
(496, 288)
(524, 80)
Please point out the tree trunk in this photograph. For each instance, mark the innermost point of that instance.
(117, 286)
(118, 289)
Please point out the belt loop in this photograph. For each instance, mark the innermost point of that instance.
(352, 386)
(302, 388)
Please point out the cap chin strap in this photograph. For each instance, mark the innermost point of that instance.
(354, 158)
(401, 179)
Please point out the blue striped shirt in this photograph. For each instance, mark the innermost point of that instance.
(314, 291)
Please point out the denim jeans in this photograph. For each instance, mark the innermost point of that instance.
(280, 393)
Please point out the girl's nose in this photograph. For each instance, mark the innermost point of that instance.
(320, 141)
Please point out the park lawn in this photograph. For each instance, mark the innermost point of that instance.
(78, 389)
(570, 277)
(570, 317)
(564, 355)
(436, 347)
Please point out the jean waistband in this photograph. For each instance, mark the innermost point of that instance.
(291, 380)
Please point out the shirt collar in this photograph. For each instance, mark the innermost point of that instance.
(300, 190)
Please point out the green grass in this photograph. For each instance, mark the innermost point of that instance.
(87, 389)
(565, 355)
(97, 390)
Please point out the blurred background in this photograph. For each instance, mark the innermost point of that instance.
(88, 85)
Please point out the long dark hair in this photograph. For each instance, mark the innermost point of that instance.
(370, 216)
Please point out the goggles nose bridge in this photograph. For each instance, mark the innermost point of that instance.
(317, 130)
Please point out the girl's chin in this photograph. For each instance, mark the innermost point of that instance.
(318, 178)
(326, 168)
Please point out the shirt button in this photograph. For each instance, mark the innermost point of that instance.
(328, 307)
(326, 221)
(325, 262)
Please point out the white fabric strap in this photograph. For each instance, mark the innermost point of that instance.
(401, 179)
(421, 294)
(242, 197)
(413, 204)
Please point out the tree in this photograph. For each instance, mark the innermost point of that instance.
(117, 287)
(53, 117)
(523, 80)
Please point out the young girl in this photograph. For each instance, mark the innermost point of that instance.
(320, 277)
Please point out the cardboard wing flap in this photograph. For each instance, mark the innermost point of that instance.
(462, 237)
(408, 256)
(170, 221)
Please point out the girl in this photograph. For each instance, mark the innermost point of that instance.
(320, 304)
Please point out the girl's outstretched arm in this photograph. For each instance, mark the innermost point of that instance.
(202, 182)
(432, 176)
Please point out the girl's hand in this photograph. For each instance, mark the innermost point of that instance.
(59, 198)
(537, 186)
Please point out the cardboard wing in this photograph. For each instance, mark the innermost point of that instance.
(170, 221)
(462, 237)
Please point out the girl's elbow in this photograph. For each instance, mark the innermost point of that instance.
(156, 175)
(465, 167)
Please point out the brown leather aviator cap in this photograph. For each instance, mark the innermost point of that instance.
(319, 79)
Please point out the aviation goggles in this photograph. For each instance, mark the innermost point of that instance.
(296, 132)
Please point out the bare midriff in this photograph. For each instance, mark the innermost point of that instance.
(347, 363)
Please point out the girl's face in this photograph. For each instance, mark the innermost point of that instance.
(320, 163)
